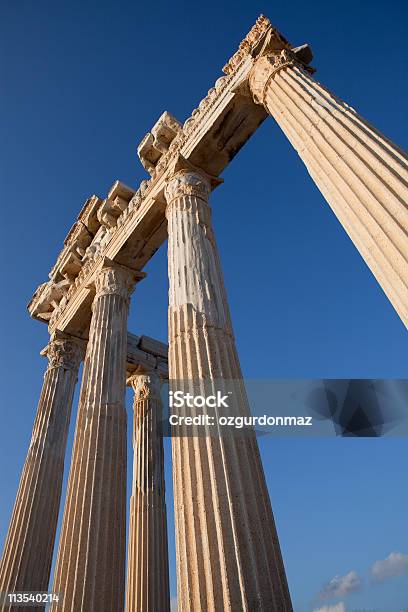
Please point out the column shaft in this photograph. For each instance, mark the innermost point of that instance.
(28, 550)
(228, 555)
(90, 569)
(362, 175)
(148, 570)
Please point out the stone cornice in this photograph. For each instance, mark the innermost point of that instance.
(261, 32)
(129, 226)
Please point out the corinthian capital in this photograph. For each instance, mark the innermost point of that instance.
(187, 183)
(64, 352)
(146, 385)
(265, 69)
(115, 279)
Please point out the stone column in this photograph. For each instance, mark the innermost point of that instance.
(362, 174)
(228, 555)
(148, 569)
(90, 568)
(28, 550)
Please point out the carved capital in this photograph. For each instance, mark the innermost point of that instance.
(265, 69)
(64, 353)
(187, 183)
(114, 279)
(146, 385)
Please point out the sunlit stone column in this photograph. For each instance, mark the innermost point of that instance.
(228, 555)
(148, 570)
(362, 174)
(90, 568)
(27, 556)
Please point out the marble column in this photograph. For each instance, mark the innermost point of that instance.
(148, 569)
(90, 568)
(28, 550)
(362, 174)
(228, 555)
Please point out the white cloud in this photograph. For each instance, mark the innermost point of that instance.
(395, 564)
(339, 607)
(339, 586)
(173, 604)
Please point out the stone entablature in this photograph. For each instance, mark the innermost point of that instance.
(250, 44)
(129, 226)
(85, 239)
(146, 354)
(157, 142)
(230, 556)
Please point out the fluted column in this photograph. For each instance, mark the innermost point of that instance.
(148, 569)
(228, 555)
(90, 568)
(28, 550)
(362, 174)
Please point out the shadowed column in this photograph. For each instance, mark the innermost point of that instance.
(362, 174)
(148, 570)
(90, 568)
(228, 555)
(28, 550)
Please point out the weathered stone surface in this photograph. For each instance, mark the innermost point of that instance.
(90, 568)
(227, 549)
(362, 174)
(28, 550)
(148, 571)
(157, 142)
(209, 138)
(228, 555)
(147, 353)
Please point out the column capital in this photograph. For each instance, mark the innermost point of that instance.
(116, 279)
(187, 182)
(64, 351)
(185, 179)
(145, 385)
(265, 68)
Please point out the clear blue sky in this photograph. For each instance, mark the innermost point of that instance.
(82, 82)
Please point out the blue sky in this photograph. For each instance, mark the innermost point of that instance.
(82, 82)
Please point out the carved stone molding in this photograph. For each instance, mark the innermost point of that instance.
(114, 279)
(187, 183)
(64, 353)
(157, 142)
(145, 385)
(246, 46)
(167, 140)
(265, 69)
